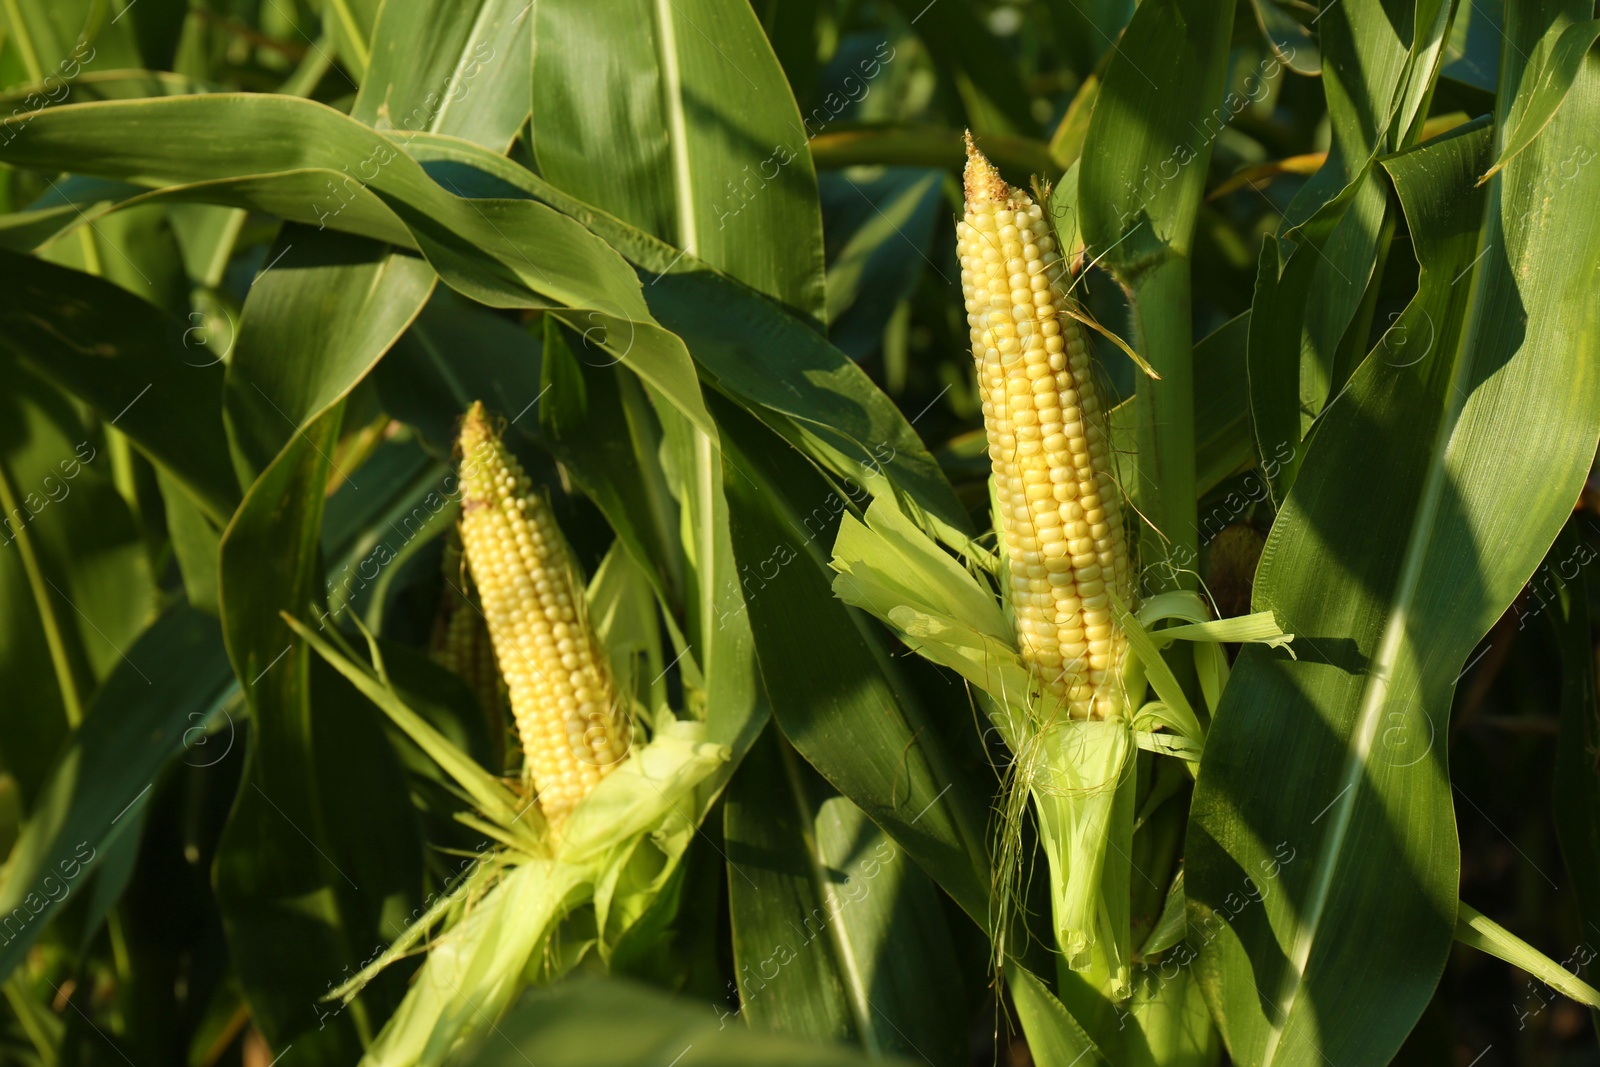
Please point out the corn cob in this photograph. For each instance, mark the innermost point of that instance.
(1056, 500)
(461, 645)
(562, 696)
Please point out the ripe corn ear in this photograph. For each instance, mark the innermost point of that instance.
(1056, 501)
(562, 696)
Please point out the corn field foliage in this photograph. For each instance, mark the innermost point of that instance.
(608, 532)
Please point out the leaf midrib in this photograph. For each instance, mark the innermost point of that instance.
(678, 128)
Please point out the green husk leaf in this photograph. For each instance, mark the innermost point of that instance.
(1260, 628)
(899, 564)
(619, 847)
(1080, 775)
(655, 782)
(1174, 745)
(474, 969)
(481, 876)
(1147, 657)
(1155, 715)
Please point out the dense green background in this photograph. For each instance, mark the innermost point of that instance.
(255, 259)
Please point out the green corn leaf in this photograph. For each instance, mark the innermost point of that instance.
(1544, 87)
(175, 677)
(1476, 930)
(487, 792)
(449, 68)
(1054, 1036)
(308, 163)
(677, 119)
(575, 1024)
(1387, 607)
(130, 363)
(833, 925)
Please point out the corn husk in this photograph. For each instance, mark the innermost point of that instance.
(1076, 774)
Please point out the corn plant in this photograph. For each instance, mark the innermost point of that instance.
(798, 533)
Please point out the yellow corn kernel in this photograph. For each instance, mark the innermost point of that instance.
(562, 696)
(1058, 505)
(460, 644)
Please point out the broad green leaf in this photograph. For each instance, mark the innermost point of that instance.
(58, 210)
(206, 236)
(1482, 425)
(349, 25)
(1544, 87)
(625, 613)
(371, 535)
(308, 163)
(448, 703)
(1054, 1037)
(1291, 42)
(676, 118)
(78, 581)
(134, 249)
(401, 475)
(793, 28)
(313, 326)
(130, 363)
(879, 232)
(1223, 442)
(196, 542)
(1477, 930)
(599, 423)
(454, 353)
(767, 360)
(837, 693)
(1170, 1023)
(319, 852)
(1130, 217)
(835, 931)
(576, 1024)
(101, 84)
(176, 674)
(1139, 187)
(717, 623)
(1318, 274)
(56, 39)
(804, 389)
(488, 793)
(892, 145)
(1472, 53)
(449, 68)
(1087, 29)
